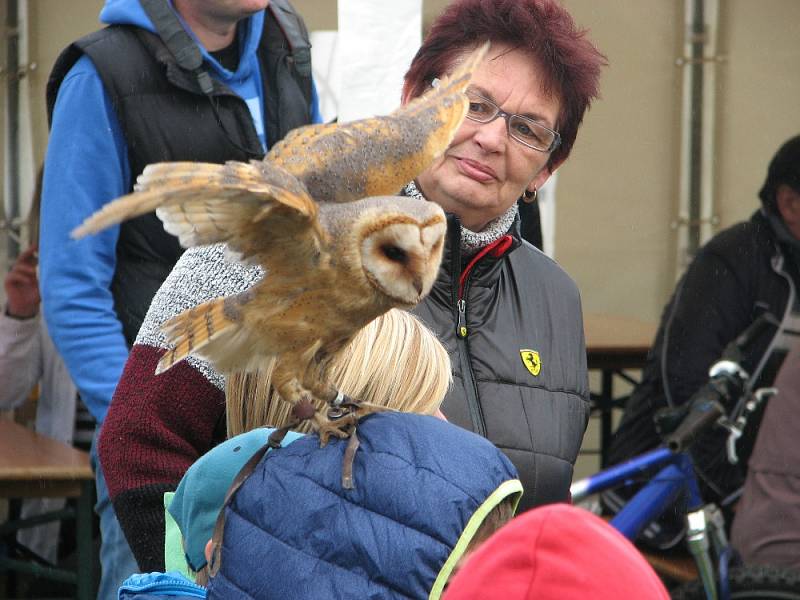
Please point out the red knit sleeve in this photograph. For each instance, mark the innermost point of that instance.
(156, 427)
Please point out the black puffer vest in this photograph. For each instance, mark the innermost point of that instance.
(492, 314)
(165, 117)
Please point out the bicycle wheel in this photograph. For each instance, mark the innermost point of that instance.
(750, 583)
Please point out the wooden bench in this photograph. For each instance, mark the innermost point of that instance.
(613, 344)
(35, 466)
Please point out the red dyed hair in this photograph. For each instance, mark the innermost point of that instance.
(569, 63)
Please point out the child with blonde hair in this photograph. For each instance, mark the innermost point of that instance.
(404, 463)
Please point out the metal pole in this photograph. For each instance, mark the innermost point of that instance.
(696, 125)
(12, 123)
(696, 219)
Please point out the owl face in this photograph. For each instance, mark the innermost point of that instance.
(401, 259)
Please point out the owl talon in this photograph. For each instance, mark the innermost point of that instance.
(341, 427)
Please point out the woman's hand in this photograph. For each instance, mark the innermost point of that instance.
(22, 286)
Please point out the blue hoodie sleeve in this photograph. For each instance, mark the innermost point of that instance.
(316, 114)
(86, 166)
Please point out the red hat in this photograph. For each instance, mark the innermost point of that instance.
(556, 552)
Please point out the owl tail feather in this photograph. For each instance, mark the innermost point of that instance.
(193, 330)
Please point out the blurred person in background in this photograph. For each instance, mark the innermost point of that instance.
(209, 80)
(27, 358)
(747, 270)
(766, 527)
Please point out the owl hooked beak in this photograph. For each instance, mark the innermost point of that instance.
(418, 285)
(401, 260)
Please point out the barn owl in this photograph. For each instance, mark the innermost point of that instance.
(337, 251)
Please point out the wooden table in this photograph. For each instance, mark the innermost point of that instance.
(613, 344)
(32, 465)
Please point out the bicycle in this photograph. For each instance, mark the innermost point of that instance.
(728, 386)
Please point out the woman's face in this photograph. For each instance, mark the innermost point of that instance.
(484, 171)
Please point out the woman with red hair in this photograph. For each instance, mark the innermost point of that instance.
(509, 316)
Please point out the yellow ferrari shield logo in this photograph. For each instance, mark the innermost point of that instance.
(532, 361)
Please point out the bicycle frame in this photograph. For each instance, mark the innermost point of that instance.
(674, 480)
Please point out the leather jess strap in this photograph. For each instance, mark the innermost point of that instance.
(241, 477)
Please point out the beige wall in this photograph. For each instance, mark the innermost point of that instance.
(54, 24)
(759, 104)
(618, 192)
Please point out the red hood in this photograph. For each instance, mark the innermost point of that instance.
(556, 552)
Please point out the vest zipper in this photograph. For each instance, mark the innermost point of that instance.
(470, 387)
(461, 306)
(460, 285)
(460, 317)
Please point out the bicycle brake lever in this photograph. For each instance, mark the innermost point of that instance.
(735, 429)
(734, 434)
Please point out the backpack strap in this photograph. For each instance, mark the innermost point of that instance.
(296, 34)
(178, 42)
(245, 472)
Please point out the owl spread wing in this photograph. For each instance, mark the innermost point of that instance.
(256, 208)
(377, 156)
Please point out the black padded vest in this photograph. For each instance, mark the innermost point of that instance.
(165, 117)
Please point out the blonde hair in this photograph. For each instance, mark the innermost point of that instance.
(394, 361)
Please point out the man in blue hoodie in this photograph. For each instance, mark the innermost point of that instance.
(202, 80)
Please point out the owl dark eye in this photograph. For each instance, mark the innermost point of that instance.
(394, 253)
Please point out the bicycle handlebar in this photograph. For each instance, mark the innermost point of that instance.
(707, 407)
(727, 382)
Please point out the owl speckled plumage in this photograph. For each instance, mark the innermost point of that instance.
(337, 250)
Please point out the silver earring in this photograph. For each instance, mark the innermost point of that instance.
(530, 196)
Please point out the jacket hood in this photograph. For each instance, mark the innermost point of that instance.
(130, 12)
(126, 12)
(557, 552)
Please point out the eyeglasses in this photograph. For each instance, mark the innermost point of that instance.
(526, 131)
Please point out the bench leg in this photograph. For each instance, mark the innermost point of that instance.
(83, 530)
(606, 414)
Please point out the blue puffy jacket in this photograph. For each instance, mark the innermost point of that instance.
(148, 586)
(422, 487)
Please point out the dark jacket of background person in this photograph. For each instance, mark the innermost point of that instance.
(738, 275)
(514, 298)
(766, 528)
(292, 531)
